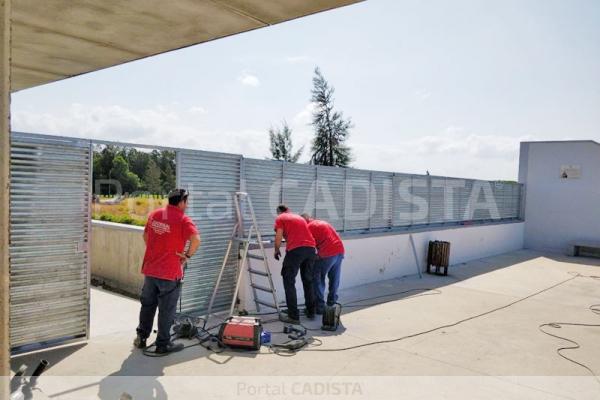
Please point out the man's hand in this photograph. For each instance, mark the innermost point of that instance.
(277, 254)
(182, 258)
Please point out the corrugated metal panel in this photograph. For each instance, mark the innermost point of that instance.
(437, 208)
(358, 189)
(299, 187)
(381, 200)
(402, 206)
(263, 183)
(50, 211)
(420, 193)
(330, 195)
(212, 179)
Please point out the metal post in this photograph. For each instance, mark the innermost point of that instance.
(5, 42)
(369, 200)
(344, 200)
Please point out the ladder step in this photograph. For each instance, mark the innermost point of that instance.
(255, 257)
(243, 240)
(256, 272)
(264, 303)
(263, 288)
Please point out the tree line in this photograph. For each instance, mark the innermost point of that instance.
(152, 172)
(331, 130)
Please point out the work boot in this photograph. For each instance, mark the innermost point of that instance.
(309, 315)
(285, 318)
(139, 342)
(169, 348)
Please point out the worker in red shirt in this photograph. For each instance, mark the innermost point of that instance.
(300, 254)
(166, 235)
(330, 250)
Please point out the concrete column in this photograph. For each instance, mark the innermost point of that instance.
(4, 193)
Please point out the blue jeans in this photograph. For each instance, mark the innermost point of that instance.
(330, 267)
(161, 294)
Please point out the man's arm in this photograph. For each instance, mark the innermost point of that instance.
(278, 239)
(145, 237)
(194, 244)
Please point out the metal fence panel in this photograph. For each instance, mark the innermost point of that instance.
(212, 180)
(262, 181)
(330, 195)
(381, 201)
(50, 228)
(358, 195)
(299, 182)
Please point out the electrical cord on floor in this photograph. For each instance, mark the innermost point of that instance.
(574, 345)
(445, 326)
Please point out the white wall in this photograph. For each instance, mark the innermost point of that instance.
(376, 258)
(560, 211)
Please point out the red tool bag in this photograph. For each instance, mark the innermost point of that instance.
(241, 332)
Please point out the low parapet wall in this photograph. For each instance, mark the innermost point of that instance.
(118, 250)
(117, 254)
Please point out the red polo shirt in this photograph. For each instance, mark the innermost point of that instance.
(329, 243)
(295, 231)
(168, 229)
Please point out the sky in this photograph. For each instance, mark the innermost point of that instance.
(449, 87)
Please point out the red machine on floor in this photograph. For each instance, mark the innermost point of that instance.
(241, 332)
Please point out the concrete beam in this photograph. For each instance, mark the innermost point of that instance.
(5, 31)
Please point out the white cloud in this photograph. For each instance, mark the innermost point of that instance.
(297, 59)
(453, 152)
(305, 115)
(160, 126)
(197, 110)
(248, 80)
(423, 94)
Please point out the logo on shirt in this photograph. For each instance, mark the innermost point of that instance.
(160, 228)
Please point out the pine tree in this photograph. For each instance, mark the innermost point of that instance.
(281, 144)
(331, 128)
(152, 178)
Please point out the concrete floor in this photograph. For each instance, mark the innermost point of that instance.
(502, 354)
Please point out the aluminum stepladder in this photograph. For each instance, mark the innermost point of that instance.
(246, 238)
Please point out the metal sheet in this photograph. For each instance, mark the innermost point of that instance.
(212, 180)
(50, 212)
(262, 181)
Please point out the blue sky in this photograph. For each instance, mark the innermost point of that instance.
(445, 86)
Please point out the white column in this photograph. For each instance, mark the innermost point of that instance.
(4, 193)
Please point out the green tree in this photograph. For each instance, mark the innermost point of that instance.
(152, 181)
(130, 182)
(281, 144)
(167, 168)
(331, 128)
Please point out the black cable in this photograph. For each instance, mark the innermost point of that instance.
(446, 325)
(594, 308)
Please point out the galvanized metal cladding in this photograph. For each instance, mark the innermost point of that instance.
(49, 236)
(50, 217)
(212, 180)
(373, 201)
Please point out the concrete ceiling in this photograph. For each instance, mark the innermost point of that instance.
(57, 39)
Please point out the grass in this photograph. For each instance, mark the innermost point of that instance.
(130, 211)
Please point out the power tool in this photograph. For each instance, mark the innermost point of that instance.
(295, 332)
(241, 332)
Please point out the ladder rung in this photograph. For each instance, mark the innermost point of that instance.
(264, 303)
(263, 288)
(243, 240)
(256, 272)
(255, 257)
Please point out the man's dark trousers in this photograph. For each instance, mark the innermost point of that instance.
(164, 295)
(299, 259)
